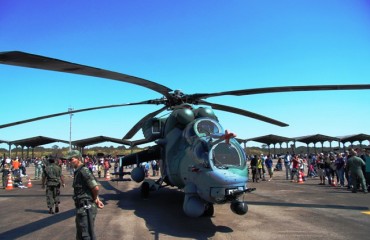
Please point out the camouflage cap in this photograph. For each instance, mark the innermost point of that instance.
(73, 153)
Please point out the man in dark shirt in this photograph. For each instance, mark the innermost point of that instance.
(86, 191)
(339, 164)
(254, 161)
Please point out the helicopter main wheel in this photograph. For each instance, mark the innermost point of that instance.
(209, 210)
(145, 190)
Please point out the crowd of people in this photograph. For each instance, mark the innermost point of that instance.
(347, 169)
(98, 165)
(16, 168)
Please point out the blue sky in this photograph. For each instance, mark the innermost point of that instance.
(194, 46)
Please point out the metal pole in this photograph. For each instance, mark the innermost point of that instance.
(70, 128)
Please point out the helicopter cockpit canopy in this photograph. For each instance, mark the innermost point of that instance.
(207, 127)
(202, 129)
(225, 155)
(206, 137)
(221, 154)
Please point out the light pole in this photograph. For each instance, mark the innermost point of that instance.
(70, 128)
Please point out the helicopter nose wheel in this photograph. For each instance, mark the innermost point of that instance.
(239, 207)
(145, 190)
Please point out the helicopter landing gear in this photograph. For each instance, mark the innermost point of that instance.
(209, 210)
(151, 185)
(145, 190)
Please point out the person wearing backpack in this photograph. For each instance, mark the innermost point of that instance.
(53, 178)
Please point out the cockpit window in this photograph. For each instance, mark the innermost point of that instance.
(206, 127)
(226, 154)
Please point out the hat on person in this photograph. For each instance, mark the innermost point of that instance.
(353, 151)
(73, 153)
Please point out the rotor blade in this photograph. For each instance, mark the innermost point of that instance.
(73, 111)
(40, 62)
(138, 125)
(244, 113)
(282, 89)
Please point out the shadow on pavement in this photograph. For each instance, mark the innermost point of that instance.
(163, 213)
(37, 225)
(303, 205)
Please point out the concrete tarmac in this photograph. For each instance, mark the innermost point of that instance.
(278, 209)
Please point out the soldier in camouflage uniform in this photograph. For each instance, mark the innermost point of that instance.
(86, 191)
(355, 165)
(52, 176)
(367, 168)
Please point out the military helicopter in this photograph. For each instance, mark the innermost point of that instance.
(195, 152)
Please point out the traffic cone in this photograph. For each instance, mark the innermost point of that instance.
(107, 176)
(333, 182)
(300, 180)
(9, 185)
(29, 184)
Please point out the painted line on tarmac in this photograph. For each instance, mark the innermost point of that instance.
(367, 212)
